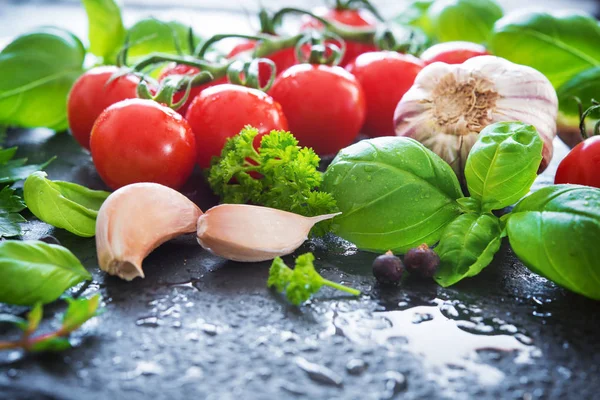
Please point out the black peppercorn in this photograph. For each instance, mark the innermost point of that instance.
(422, 261)
(388, 269)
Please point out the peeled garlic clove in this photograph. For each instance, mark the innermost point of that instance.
(135, 220)
(241, 232)
(449, 105)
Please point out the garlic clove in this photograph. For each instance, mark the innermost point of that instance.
(135, 220)
(246, 233)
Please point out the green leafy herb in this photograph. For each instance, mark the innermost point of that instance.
(415, 14)
(584, 86)
(10, 219)
(301, 282)
(63, 204)
(288, 180)
(39, 70)
(151, 35)
(470, 20)
(106, 31)
(468, 245)
(394, 194)
(556, 232)
(34, 271)
(78, 312)
(502, 164)
(558, 44)
(16, 170)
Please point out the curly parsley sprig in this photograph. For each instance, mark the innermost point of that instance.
(302, 281)
(280, 174)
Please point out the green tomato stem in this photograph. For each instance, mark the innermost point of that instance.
(354, 292)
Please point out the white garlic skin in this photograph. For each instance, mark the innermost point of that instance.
(449, 105)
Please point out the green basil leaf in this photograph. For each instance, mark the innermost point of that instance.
(467, 246)
(152, 35)
(106, 31)
(33, 318)
(585, 86)
(51, 344)
(556, 233)
(79, 311)
(415, 14)
(65, 205)
(15, 170)
(42, 67)
(503, 164)
(19, 322)
(558, 44)
(394, 194)
(34, 271)
(470, 20)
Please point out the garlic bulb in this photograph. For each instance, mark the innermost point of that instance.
(449, 105)
(246, 233)
(135, 220)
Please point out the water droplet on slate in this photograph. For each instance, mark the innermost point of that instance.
(421, 317)
(151, 322)
(395, 382)
(209, 329)
(356, 366)
(319, 373)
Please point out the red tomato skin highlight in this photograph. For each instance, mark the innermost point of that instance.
(385, 77)
(142, 141)
(222, 111)
(182, 69)
(91, 94)
(582, 165)
(283, 59)
(453, 52)
(324, 105)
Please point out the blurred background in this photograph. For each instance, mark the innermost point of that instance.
(206, 16)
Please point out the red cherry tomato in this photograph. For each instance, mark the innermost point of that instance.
(582, 165)
(142, 141)
(91, 94)
(384, 76)
(324, 105)
(453, 52)
(222, 111)
(354, 18)
(283, 59)
(182, 69)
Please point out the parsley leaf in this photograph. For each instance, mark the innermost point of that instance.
(16, 170)
(10, 205)
(280, 174)
(301, 282)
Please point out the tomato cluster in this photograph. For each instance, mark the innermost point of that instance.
(324, 106)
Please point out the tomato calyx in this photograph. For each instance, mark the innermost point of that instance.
(172, 85)
(356, 5)
(325, 48)
(247, 73)
(402, 39)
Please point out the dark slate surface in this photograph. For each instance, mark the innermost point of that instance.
(201, 327)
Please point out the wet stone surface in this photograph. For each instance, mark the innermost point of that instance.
(202, 327)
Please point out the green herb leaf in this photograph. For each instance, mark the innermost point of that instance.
(415, 14)
(42, 67)
(470, 20)
(10, 206)
(151, 35)
(63, 204)
(79, 311)
(286, 176)
(556, 232)
(50, 344)
(33, 318)
(13, 319)
(468, 245)
(394, 194)
(585, 86)
(301, 282)
(34, 271)
(503, 164)
(558, 44)
(106, 31)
